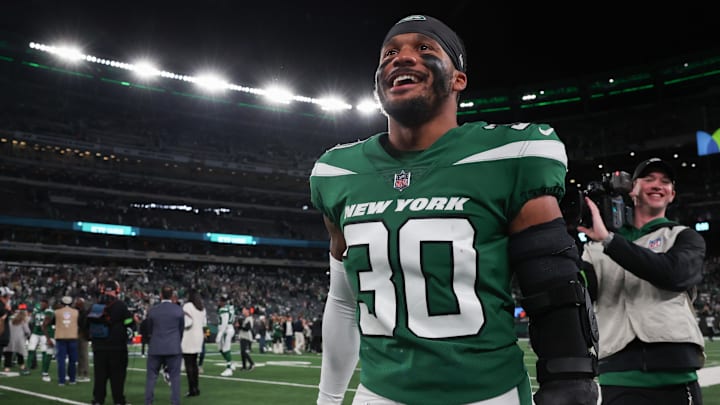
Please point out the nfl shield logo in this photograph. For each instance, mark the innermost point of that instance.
(655, 243)
(402, 180)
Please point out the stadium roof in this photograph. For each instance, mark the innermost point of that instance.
(320, 46)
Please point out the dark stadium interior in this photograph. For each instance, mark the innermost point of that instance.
(90, 143)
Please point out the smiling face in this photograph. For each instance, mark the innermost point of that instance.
(653, 192)
(415, 78)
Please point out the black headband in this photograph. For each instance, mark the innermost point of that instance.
(435, 29)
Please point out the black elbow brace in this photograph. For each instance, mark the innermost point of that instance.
(563, 330)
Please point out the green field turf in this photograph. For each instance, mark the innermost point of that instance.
(278, 379)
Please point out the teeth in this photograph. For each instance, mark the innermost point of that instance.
(404, 77)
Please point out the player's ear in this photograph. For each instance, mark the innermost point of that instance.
(460, 81)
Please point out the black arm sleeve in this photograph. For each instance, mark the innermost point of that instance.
(591, 279)
(678, 269)
(563, 331)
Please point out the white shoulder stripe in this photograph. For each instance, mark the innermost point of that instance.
(326, 170)
(551, 149)
(348, 145)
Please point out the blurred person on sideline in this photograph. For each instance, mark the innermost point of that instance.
(144, 335)
(166, 325)
(225, 334)
(261, 331)
(289, 334)
(429, 222)
(298, 327)
(643, 280)
(277, 334)
(201, 356)
(246, 338)
(19, 334)
(48, 331)
(5, 315)
(110, 353)
(316, 340)
(83, 363)
(707, 322)
(38, 341)
(66, 337)
(193, 339)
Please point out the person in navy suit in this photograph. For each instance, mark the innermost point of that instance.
(166, 323)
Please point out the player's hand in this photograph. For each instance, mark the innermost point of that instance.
(567, 392)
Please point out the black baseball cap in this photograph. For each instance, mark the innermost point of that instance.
(654, 164)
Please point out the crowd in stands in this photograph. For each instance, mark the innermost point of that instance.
(99, 119)
(48, 185)
(269, 290)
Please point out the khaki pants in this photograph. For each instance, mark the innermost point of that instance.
(83, 368)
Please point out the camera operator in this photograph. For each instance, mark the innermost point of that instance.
(642, 280)
(110, 353)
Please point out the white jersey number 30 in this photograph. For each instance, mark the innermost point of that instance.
(377, 279)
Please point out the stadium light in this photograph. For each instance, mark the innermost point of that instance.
(65, 52)
(333, 104)
(209, 82)
(145, 69)
(368, 106)
(277, 94)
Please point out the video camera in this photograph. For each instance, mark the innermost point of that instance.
(611, 195)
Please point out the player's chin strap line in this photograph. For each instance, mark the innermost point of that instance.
(563, 330)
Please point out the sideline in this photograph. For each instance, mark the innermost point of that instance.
(218, 377)
(36, 394)
(706, 376)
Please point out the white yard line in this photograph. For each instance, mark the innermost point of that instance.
(707, 376)
(205, 375)
(35, 394)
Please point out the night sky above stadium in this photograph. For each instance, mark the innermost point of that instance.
(322, 46)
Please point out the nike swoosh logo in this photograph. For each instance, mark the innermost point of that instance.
(546, 132)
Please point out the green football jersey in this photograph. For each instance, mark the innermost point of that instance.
(39, 316)
(226, 315)
(427, 237)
